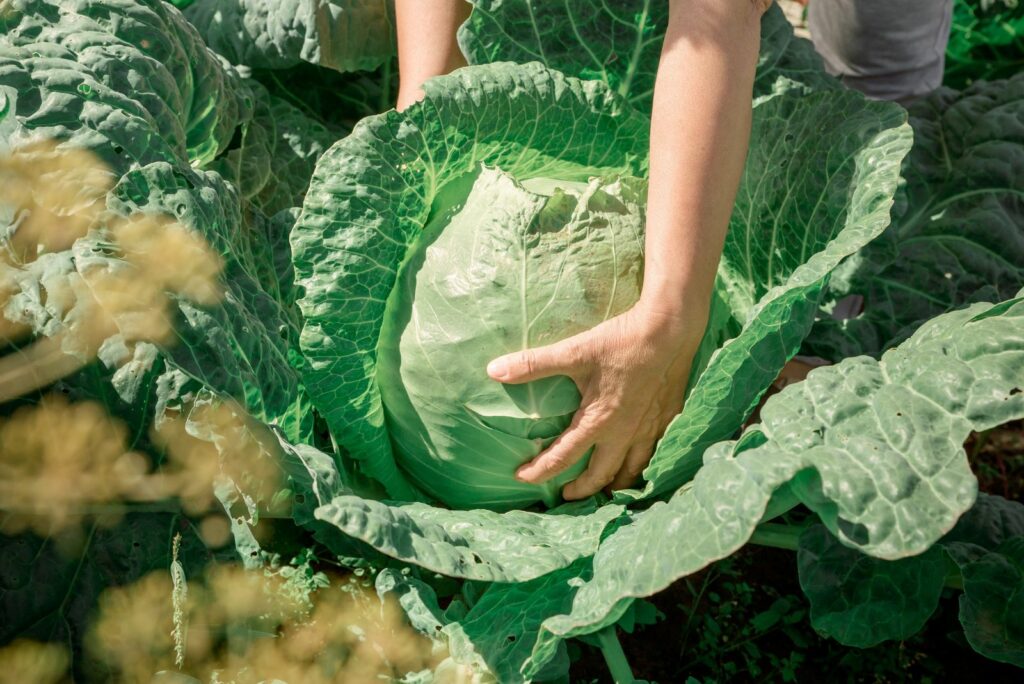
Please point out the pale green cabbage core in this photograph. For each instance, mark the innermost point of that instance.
(501, 266)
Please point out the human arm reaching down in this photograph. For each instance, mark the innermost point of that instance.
(632, 369)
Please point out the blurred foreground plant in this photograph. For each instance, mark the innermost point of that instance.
(65, 462)
(56, 196)
(243, 626)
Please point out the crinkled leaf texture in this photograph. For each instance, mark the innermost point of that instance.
(619, 44)
(344, 35)
(873, 447)
(958, 236)
(516, 546)
(154, 103)
(817, 187)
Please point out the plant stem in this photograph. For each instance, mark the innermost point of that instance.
(777, 536)
(788, 537)
(385, 102)
(614, 656)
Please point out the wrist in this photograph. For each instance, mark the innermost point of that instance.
(676, 314)
(681, 298)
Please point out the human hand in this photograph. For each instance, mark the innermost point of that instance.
(631, 371)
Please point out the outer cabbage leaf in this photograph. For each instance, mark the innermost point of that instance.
(130, 80)
(818, 185)
(862, 601)
(496, 634)
(516, 546)
(986, 41)
(133, 82)
(619, 44)
(373, 192)
(338, 99)
(299, 140)
(960, 235)
(874, 447)
(992, 605)
(345, 35)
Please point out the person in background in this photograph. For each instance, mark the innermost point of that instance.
(887, 50)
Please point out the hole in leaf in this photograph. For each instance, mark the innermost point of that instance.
(236, 139)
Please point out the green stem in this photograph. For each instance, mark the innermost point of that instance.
(777, 536)
(614, 656)
(788, 537)
(385, 102)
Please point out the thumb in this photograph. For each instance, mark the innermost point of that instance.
(561, 358)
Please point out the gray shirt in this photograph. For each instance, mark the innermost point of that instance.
(887, 49)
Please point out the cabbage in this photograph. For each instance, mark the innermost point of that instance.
(501, 266)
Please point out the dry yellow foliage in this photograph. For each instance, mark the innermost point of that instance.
(58, 194)
(59, 460)
(232, 445)
(31, 661)
(242, 627)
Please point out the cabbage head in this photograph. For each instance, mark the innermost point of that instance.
(502, 212)
(500, 266)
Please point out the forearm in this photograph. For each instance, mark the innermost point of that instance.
(426, 43)
(700, 129)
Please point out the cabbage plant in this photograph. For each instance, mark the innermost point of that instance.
(361, 303)
(819, 184)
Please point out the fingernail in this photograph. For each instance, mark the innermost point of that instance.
(497, 368)
(523, 474)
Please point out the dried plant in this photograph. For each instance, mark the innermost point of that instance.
(60, 460)
(242, 626)
(57, 193)
(216, 440)
(31, 661)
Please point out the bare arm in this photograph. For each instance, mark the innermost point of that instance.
(426, 43)
(700, 130)
(632, 369)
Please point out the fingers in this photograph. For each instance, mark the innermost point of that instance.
(560, 358)
(565, 451)
(605, 463)
(637, 458)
